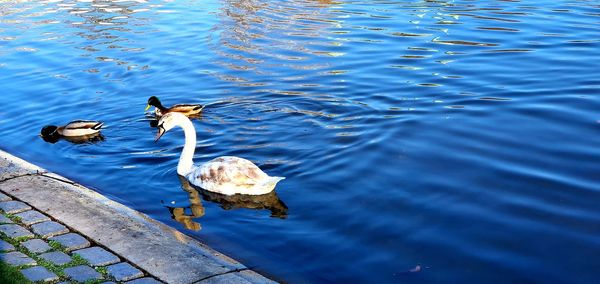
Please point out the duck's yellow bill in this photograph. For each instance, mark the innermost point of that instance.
(147, 107)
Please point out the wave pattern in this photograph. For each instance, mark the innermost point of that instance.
(422, 141)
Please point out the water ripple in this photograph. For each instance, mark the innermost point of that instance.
(448, 135)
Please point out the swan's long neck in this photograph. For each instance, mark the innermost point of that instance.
(186, 162)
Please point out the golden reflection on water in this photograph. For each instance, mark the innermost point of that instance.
(257, 43)
(262, 36)
(188, 218)
(102, 25)
(180, 215)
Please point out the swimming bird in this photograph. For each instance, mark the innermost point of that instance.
(72, 129)
(186, 109)
(226, 175)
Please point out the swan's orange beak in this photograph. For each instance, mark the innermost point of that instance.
(160, 133)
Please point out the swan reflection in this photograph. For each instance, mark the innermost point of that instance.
(186, 215)
(196, 209)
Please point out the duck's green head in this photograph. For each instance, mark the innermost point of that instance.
(50, 134)
(153, 101)
(49, 131)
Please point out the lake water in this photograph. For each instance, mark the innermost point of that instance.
(422, 141)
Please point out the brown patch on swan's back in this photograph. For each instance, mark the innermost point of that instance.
(203, 177)
(252, 173)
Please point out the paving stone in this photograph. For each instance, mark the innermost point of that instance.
(239, 277)
(39, 273)
(71, 241)
(16, 258)
(124, 271)
(13, 207)
(97, 256)
(172, 257)
(82, 273)
(225, 279)
(56, 257)
(5, 246)
(4, 197)
(36, 246)
(145, 280)
(49, 229)
(32, 217)
(15, 231)
(5, 220)
(11, 167)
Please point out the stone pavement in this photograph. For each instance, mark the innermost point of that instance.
(45, 258)
(55, 230)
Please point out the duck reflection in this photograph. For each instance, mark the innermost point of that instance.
(83, 139)
(153, 120)
(186, 215)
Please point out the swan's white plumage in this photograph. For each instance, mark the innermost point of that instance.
(230, 175)
(226, 175)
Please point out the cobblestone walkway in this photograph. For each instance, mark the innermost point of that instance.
(46, 251)
(53, 230)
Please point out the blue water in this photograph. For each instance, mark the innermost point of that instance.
(422, 141)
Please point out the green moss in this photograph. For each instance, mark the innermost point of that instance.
(102, 270)
(8, 216)
(22, 239)
(8, 239)
(11, 274)
(58, 270)
(95, 281)
(13, 217)
(56, 245)
(77, 260)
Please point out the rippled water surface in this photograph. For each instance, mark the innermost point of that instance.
(422, 141)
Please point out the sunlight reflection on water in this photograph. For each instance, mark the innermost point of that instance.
(455, 136)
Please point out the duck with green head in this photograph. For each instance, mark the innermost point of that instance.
(76, 129)
(189, 110)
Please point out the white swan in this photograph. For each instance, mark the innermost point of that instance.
(225, 175)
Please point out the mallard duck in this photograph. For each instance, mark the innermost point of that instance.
(72, 129)
(186, 109)
(226, 175)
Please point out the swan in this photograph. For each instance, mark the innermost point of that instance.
(186, 109)
(226, 175)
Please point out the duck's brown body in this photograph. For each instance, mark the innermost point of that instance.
(80, 128)
(189, 110)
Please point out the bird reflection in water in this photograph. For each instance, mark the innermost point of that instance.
(153, 120)
(269, 201)
(197, 210)
(83, 139)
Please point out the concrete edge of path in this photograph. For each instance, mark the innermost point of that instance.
(160, 250)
